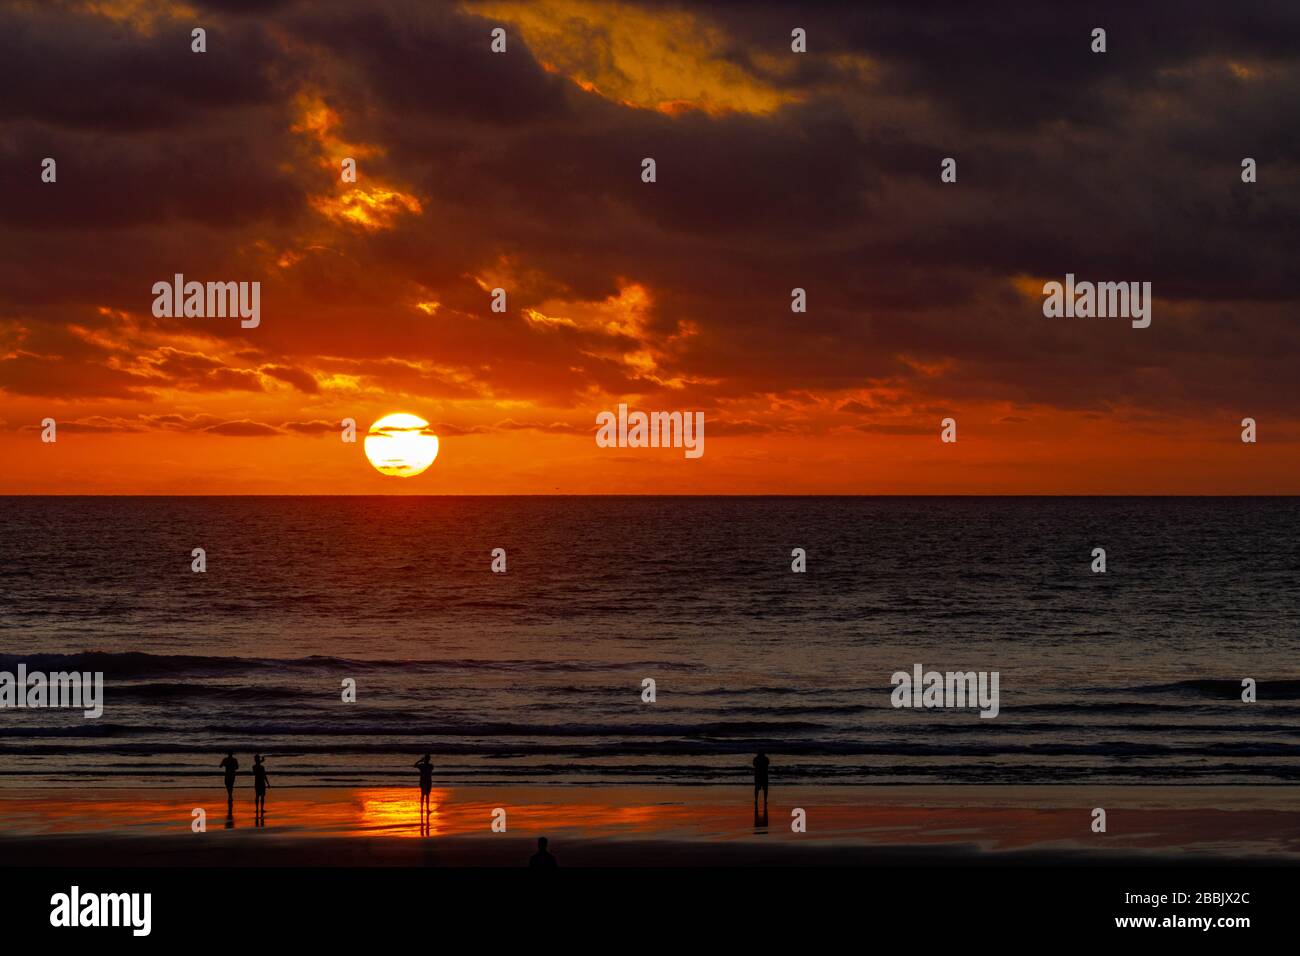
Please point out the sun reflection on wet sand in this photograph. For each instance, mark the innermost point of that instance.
(1261, 819)
(396, 811)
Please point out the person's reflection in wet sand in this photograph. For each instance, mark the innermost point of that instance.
(760, 783)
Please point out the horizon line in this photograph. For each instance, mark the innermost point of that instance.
(657, 495)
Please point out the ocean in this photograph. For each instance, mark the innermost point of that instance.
(535, 675)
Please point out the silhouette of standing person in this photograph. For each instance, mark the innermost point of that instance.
(426, 783)
(230, 765)
(542, 859)
(259, 790)
(760, 781)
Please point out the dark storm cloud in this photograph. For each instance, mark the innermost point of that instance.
(237, 7)
(1122, 166)
(1009, 64)
(431, 61)
(79, 69)
(217, 175)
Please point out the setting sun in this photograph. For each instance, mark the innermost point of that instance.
(401, 445)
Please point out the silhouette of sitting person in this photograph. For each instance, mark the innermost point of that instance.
(259, 789)
(426, 780)
(542, 859)
(230, 765)
(760, 780)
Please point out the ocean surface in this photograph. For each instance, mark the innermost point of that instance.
(535, 676)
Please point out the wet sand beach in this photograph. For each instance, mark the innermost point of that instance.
(653, 825)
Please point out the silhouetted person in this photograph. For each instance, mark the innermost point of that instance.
(259, 789)
(542, 859)
(230, 765)
(760, 781)
(426, 782)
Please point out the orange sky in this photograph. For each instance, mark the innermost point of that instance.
(521, 171)
(987, 459)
